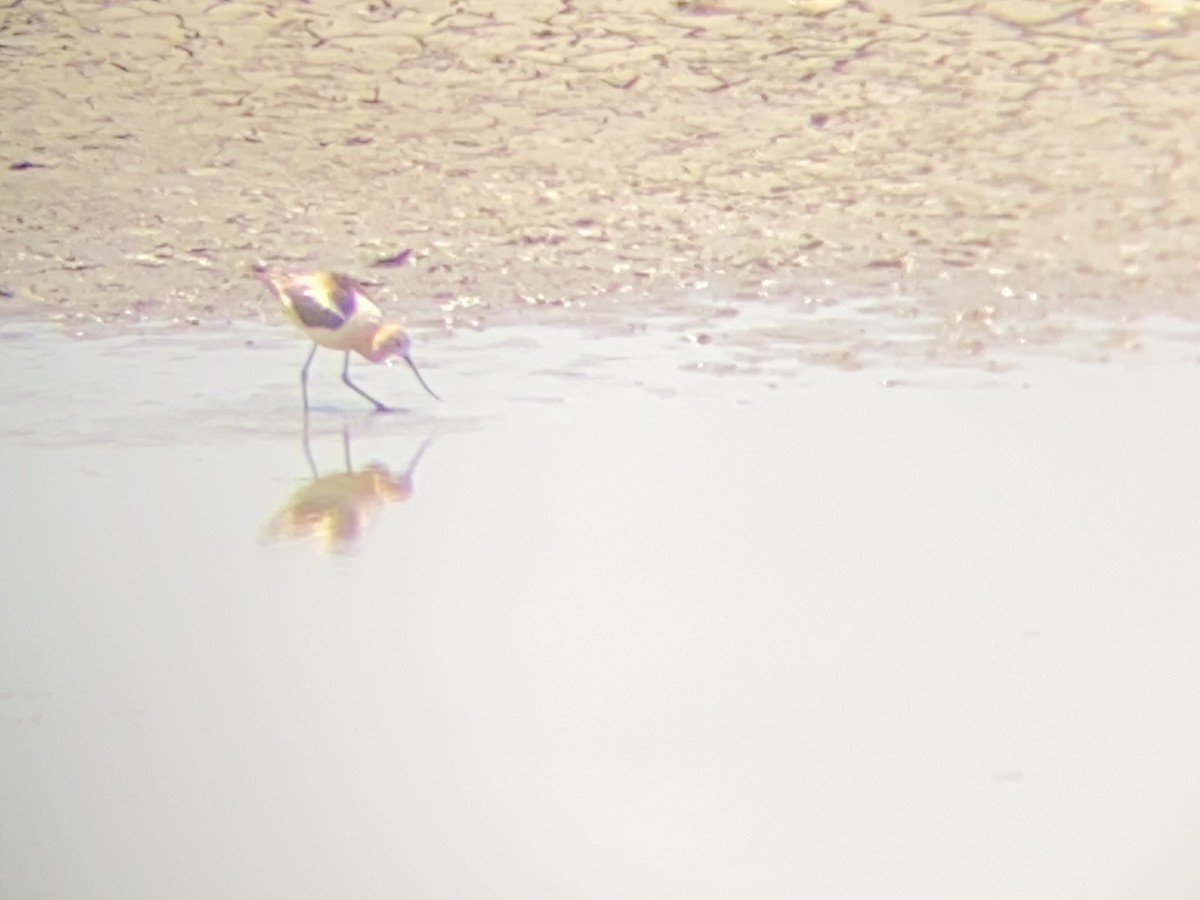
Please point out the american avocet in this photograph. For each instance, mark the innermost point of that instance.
(337, 508)
(335, 311)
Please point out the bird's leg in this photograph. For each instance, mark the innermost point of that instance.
(354, 387)
(346, 447)
(312, 463)
(304, 377)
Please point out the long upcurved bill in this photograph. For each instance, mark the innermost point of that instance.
(413, 366)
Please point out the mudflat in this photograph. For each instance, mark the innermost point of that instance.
(1002, 162)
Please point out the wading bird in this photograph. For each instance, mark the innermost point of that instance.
(335, 311)
(337, 509)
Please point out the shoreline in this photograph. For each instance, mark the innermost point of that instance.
(974, 158)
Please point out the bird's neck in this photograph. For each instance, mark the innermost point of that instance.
(371, 352)
(361, 340)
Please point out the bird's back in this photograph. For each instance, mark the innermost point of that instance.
(322, 301)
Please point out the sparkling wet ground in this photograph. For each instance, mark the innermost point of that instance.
(601, 624)
(1030, 155)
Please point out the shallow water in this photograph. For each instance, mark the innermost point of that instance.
(601, 624)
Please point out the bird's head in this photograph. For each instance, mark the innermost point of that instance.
(390, 342)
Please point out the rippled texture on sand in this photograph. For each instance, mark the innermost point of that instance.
(999, 160)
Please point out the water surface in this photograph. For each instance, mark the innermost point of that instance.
(622, 629)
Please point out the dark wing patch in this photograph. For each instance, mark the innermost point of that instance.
(311, 313)
(343, 290)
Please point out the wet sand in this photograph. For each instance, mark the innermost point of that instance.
(572, 634)
(998, 162)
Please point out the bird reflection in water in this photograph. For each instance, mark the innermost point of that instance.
(335, 510)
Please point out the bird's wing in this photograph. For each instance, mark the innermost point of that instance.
(344, 292)
(312, 307)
